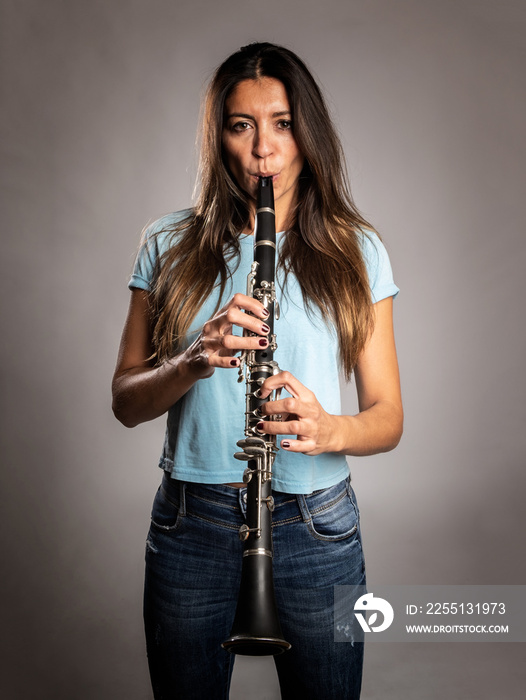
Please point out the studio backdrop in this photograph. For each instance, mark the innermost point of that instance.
(100, 102)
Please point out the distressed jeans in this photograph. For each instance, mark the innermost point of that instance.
(193, 568)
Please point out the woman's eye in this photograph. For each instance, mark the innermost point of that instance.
(285, 124)
(241, 126)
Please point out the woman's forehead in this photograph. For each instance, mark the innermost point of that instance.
(261, 95)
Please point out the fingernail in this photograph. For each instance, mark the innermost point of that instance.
(260, 427)
(263, 342)
(285, 443)
(264, 313)
(233, 363)
(265, 328)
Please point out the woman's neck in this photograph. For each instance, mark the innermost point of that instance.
(282, 218)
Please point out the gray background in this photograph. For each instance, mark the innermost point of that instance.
(100, 101)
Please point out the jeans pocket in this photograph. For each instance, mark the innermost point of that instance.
(336, 519)
(166, 514)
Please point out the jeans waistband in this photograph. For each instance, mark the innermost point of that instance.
(234, 499)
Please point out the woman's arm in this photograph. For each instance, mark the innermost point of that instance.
(143, 391)
(376, 428)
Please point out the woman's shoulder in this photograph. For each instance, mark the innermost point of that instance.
(369, 240)
(160, 230)
(378, 265)
(156, 239)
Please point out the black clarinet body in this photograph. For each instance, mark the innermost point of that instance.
(256, 630)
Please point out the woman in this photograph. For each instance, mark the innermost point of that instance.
(264, 116)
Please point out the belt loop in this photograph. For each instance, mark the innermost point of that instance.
(242, 500)
(304, 509)
(182, 498)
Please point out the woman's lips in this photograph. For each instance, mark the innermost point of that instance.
(258, 175)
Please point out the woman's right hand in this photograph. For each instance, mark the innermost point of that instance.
(143, 391)
(217, 345)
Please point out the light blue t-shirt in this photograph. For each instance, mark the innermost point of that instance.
(205, 424)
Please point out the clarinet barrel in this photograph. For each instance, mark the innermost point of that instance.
(256, 630)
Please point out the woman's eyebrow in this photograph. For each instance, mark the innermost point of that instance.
(250, 116)
(240, 114)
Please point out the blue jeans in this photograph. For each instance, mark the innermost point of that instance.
(193, 567)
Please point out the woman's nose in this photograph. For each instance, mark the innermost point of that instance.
(262, 144)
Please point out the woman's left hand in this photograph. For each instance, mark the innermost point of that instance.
(377, 427)
(301, 415)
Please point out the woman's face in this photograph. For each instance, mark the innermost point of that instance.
(258, 141)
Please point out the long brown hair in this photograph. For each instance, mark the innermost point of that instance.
(321, 247)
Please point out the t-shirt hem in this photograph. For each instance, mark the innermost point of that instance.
(231, 477)
(390, 290)
(137, 282)
(288, 486)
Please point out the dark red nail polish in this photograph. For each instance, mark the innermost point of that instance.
(265, 328)
(263, 343)
(285, 443)
(233, 363)
(260, 426)
(265, 312)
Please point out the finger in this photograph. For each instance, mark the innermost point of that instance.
(284, 406)
(242, 301)
(224, 361)
(230, 344)
(304, 446)
(237, 317)
(283, 380)
(275, 427)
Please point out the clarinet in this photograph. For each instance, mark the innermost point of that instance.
(256, 630)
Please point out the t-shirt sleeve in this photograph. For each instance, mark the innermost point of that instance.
(379, 269)
(142, 273)
(154, 242)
